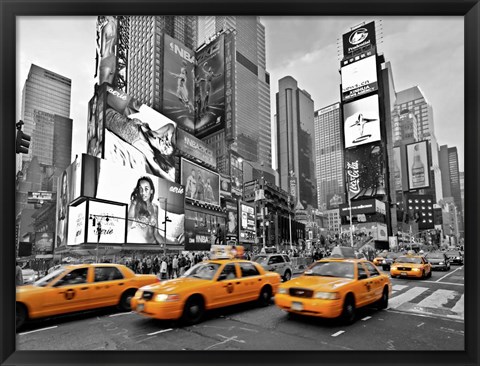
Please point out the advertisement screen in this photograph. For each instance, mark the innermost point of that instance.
(335, 200)
(225, 187)
(232, 220)
(44, 243)
(107, 39)
(112, 219)
(201, 185)
(230, 61)
(359, 78)
(94, 126)
(149, 135)
(178, 84)
(76, 224)
(40, 197)
(421, 209)
(365, 171)
(236, 174)
(210, 88)
(198, 149)
(417, 165)
(397, 168)
(148, 199)
(246, 222)
(362, 121)
(24, 249)
(359, 38)
(68, 188)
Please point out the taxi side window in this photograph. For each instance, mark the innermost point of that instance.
(361, 272)
(107, 274)
(77, 276)
(228, 272)
(373, 271)
(248, 270)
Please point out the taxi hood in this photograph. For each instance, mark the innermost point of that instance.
(175, 285)
(319, 283)
(28, 289)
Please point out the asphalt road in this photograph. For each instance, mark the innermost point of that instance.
(422, 315)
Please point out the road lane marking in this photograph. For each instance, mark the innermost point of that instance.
(438, 299)
(130, 312)
(366, 318)
(448, 274)
(38, 330)
(405, 297)
(448, 330)
(459, 307)
(338, 333)
(425, 315)
(160, 331)
(443, 283)
(399, 287)
(419, 325)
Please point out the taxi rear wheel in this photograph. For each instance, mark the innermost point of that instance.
(265, 296)
(21, 315)
(193, 310)
(125, 300)
(349, 311)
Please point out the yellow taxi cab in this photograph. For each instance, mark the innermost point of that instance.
(379, 259)
(334, 287)
(79, 287)
(220, 281)
(411, 265)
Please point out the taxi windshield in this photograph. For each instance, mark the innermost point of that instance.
(414, 260)
(44, 281)
(331, 269)
(205, 271)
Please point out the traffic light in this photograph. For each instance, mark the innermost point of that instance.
(23, 140)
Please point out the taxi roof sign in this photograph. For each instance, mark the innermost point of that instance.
(226, 251)
(343, 252)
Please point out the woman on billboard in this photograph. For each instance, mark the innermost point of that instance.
(232, 223)
(143, 214)
(62, 210)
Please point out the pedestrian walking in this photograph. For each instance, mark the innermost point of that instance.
(163, 269)
(18, 275)
(175, 267)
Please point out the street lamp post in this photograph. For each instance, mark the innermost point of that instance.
(94, 219)
(164, 223)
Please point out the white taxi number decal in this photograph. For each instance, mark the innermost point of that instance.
(403, 274)
(298, 306)
(140, 307)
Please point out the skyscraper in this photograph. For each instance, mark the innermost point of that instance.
(295, 139)
(252, 138)
(45, 112)
(329, 157)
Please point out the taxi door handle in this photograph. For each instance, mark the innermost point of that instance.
(84, 288)
(238, 283)
(121, 284)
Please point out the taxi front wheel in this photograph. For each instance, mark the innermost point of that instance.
(265, 296)
(125, 300)
(349, 312)
(193, 310)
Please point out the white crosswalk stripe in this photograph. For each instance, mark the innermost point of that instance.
(406, 296)
(438, 299)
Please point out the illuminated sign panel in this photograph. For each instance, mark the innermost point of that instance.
(246, 222)
(417, 165)
(201, 185)
(362, 121)
(359, 78)
(358, 39)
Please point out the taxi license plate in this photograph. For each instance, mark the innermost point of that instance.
(140, 307)
(298, 306)
(403, 273)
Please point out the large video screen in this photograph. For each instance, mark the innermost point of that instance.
(149, 199)
(417, 165)
(112, 231)
(361, 121)
(210, 88)
(178, 83)
(76, 224)
(201, 185)
(247, 222)
(148, 136)
(44, 243)
(365, 171)
(359, 78)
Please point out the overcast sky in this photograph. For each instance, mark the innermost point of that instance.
(423, 51)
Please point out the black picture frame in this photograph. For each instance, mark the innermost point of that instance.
(9, 9)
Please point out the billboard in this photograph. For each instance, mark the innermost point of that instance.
(225, 187)
(246, 222)
(197, 234)
(76, 224)
(148, 199)
(236, 174)
(359, 38)
(95, 123)
(359, 78)
(196, 148)
(112, 231)
(230, 62)
(231, 227)
(145, 140)
(201, 185)
(40, 197)
(397, 169)
(417, 165)
(178, 83)
(421, 209)
(44, 244)
(107, 38)
(365, 171)
(210, 88)
(368, 206)
(249, 189)
(361, 121)
(335, 200)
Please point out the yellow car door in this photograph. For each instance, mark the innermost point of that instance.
(251, 281)
(226, 288)
(363, 286)
(108, 285)
(378, 282)
(69, 293)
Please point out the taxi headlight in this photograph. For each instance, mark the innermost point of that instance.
(394, 268)
(326, 295)
(441, 263)
(167, 297)
(282, 290)
(416, 269)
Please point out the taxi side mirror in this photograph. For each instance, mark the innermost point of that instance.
(223, 276)
(362, 276)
